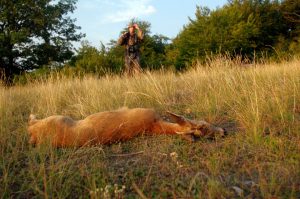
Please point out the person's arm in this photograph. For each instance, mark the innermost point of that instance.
(140, 33)
(121, 40)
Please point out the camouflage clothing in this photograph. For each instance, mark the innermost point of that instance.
(132, 53)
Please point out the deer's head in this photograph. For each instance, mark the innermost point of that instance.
(195, 129)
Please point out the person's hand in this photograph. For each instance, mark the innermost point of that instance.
(124, 34)
(136, 26)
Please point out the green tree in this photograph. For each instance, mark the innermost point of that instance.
(153, 47)
(110, 58)
(34, 33)
(291, 13)
(245, 27)
(100, 61)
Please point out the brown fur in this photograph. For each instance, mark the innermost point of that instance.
(112, 126)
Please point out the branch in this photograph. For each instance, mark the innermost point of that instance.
(289, 16)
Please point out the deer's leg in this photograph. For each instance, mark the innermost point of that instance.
(162, 127)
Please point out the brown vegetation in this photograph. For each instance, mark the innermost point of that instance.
(259, 106)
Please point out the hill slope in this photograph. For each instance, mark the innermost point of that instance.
(260, 106)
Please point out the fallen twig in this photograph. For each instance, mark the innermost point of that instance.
(126, 154)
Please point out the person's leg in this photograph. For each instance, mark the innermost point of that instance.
(131, 68)
(127, 65)
(136, 65)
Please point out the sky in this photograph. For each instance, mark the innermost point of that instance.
(103, 20)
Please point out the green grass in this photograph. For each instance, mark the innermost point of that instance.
(260, 107)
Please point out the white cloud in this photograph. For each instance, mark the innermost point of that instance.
(91, 5)
(128, 9)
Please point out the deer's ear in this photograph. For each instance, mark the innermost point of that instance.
(32, 119)
(177, 118)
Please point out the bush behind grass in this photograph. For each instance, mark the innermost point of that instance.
(259, 105)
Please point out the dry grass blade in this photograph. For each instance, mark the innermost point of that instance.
(138, 191)
(259, 106)
(126, 154)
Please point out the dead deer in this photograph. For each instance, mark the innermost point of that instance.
(114, 126)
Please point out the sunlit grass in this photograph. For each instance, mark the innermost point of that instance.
(259, 105)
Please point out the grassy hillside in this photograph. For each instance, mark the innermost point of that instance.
(260, 107)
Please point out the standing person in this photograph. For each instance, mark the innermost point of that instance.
(131, 41)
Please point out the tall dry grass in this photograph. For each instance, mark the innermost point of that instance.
(259, 105)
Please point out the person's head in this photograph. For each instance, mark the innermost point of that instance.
(131, 29)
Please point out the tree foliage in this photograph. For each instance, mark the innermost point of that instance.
(251, 29)
(37, 33)
(153, 47)
(111, 58)
(244, 27)
(34, 33)
(90, 59)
